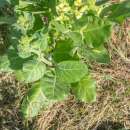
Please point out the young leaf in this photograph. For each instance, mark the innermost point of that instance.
(71, 71)
(31, 72)
(97, 32)
(85, 90)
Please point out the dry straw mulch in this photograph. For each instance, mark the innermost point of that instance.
(10, 118)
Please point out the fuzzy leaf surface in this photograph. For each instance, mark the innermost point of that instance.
(31, 72)
(43, 93)
(71, 71)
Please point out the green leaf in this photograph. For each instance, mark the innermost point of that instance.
(42, 94)
(16, 62)
(85, 90)
(5, 64)
(62, 51)
(82, 22)
(32, 71)
(97, 32)
(54, 90)
(99, 54)
(117, 12)
(71, 71)
(34, 101)
(40, 41)
(76, 37)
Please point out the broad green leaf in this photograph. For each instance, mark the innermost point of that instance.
(54, 90)
(62, 51)
(117, 12)
(32, 71)
(71, 71)
(99, 54)
(42, 94)
(34, 101)
(97, 32)
(85, 90)
(5, 64)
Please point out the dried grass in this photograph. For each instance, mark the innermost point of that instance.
(11, 94)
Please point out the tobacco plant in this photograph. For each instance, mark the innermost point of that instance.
(52, 43)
